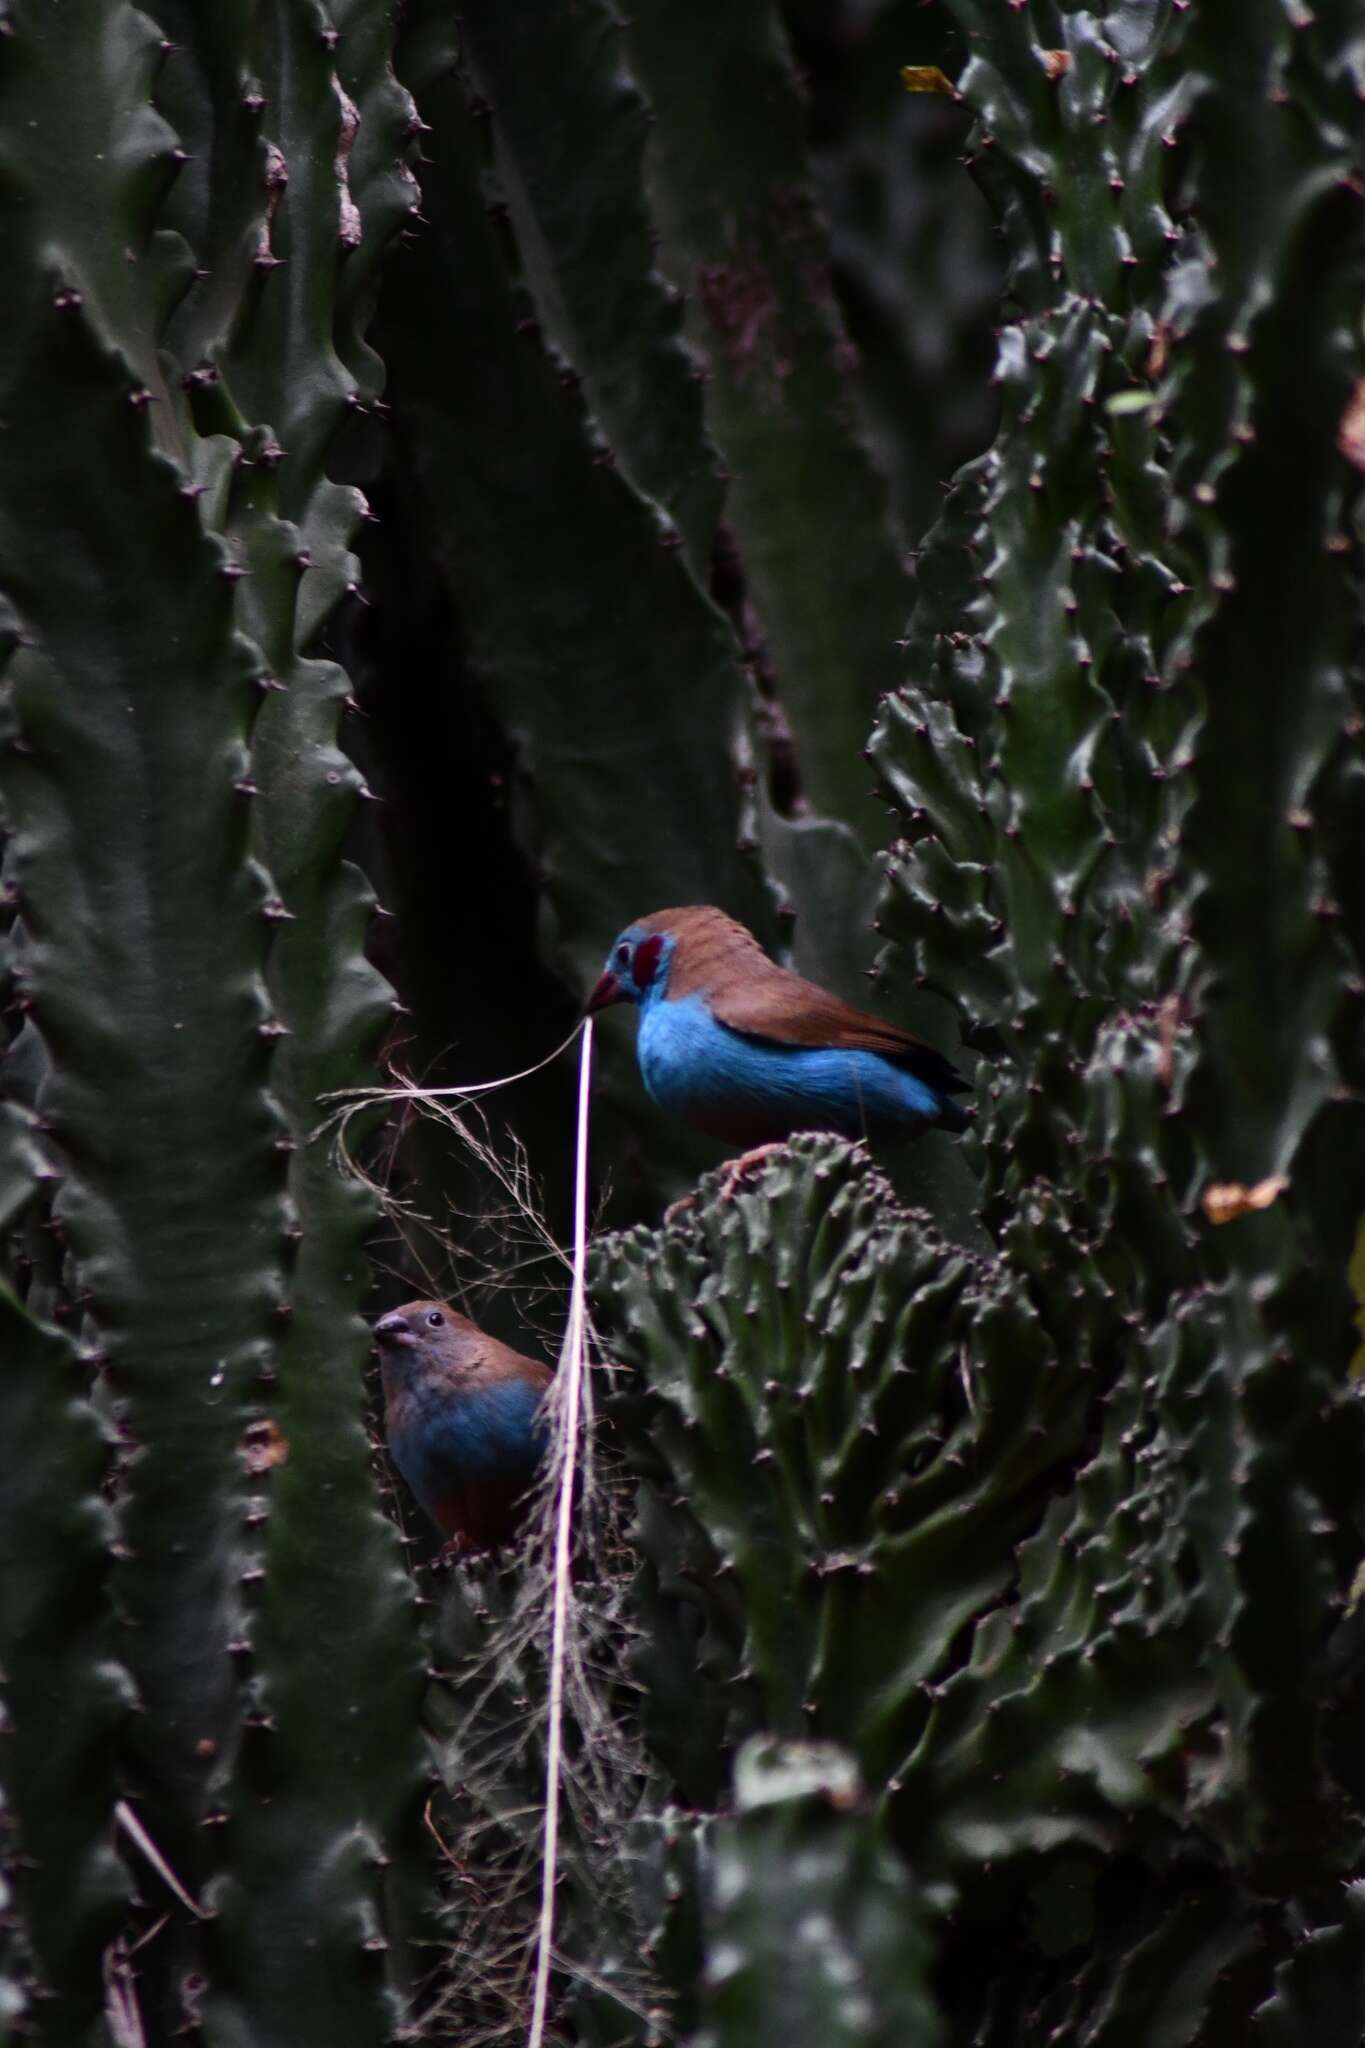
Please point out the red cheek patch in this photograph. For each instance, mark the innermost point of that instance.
(646, 962)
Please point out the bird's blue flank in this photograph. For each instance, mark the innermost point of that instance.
(488, 1432)
(698, 1068)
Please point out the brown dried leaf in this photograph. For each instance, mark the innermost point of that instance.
(264, 1444)
(1168, 1019)
(1224, 1201)
(1351, 432)
(1159, 353)
(927, 78)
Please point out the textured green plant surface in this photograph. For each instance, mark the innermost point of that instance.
(197, 209)
(742, 239)
(206, 1624)
(966, 1647)
(807, 1924)
(1061, 1548)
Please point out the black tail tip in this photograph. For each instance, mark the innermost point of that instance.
(953, 1117)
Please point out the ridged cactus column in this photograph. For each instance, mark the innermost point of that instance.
(744, 241)
(142, 905)
(808, 1924)
(189, 256)
(66, 1692)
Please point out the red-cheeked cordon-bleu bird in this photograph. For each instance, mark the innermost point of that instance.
(749, 1052)
(464, 1419)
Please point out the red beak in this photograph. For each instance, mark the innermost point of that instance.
(607, 991)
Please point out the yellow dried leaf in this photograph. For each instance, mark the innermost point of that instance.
(1225, 1200)
(1159, 353)
(927, 78)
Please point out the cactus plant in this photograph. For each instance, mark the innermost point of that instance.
(1138, 895)
(176, 803)
(62, 1674)
(743, 240)
(798, 1860)
(160, 633)
(988, 1605)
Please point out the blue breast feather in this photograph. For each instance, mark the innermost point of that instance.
(461, 1439)
(748, 1090)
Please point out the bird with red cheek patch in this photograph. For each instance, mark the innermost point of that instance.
(464, 1418)
(749, 1052)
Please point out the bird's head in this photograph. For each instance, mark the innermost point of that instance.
(426, 1329)
(636, 965)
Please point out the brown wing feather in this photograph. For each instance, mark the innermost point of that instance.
(751, 994)
(793, 1011)
(498, 1361)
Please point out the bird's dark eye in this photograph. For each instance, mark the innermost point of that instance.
(435, 1318)
(623, 956)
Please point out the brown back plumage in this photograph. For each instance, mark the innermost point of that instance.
(717, 958)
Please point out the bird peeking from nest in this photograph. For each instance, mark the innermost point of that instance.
(465, 1421)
